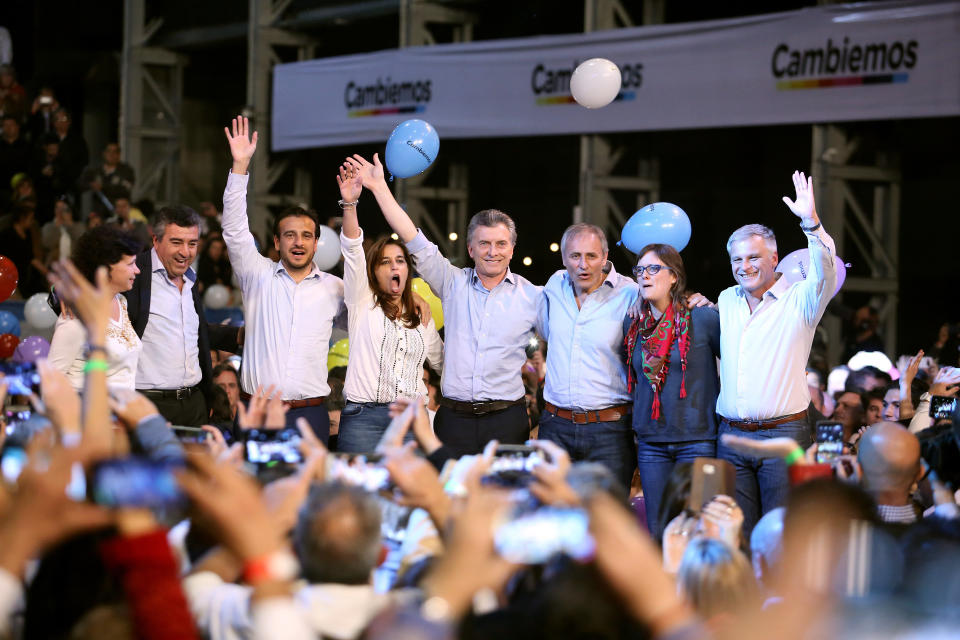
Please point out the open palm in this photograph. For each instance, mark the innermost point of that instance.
(350, 183)
(803, 206)
(242, 146)
(370, 173)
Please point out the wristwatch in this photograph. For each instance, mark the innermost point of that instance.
(276, 566)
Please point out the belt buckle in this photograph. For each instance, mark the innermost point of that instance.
(182, 393)
(477, 409)
(578, 417)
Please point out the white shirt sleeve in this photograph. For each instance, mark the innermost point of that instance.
(221, 610)
(66, 350)
(434, 346)
(242, 248)
(921, 417)
(819, 288)
(279, 618)
(356, 288)
(432, 266)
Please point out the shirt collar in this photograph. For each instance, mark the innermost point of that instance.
(156, 265)
(314, 270)
(776, 290)
(507, 278)
(611, 280)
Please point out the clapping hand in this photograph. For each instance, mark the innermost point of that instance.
(803, 207)
(350, 182)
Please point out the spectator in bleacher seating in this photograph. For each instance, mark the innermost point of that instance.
(73, 148)
(40, 121)
(863, 333)
(213, 267)
(123, 218)
(18, 242)
(60, 234)
(14, 154)
(49, 177)
(13, 97)
(116, 250)
(108, 179)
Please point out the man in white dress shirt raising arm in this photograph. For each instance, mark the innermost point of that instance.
(766, 330)
(289, 306)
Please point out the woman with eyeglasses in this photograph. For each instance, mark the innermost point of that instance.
(672, 373)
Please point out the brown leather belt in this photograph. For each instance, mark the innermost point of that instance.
(293, 404)
(610, 414)
(482, 407)
(760, 425)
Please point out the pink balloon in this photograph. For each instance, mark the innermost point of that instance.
(796, 266)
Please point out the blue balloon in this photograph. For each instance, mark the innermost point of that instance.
(411, 148)
(9, 323)
(660, 222)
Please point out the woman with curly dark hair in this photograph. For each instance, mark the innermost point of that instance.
(110, 247)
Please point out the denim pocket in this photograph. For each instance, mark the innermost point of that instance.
(351, 409)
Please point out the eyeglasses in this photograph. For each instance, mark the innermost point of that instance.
(652, 269)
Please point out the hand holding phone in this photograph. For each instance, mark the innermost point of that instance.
(711, 477)
(359, 470)
(136, 482)
(272, 447)
(829, 439)
(942, 407)
(533, 536)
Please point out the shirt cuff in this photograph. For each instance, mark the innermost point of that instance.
(237, 181)
(351, 243)
(144, 419)
(418, 243)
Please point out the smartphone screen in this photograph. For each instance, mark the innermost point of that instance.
(136, 482)
(360, 470)
(12, 462)
(271, 447)
(21, 379)
(512, 466)
(942, 407)
(829, 441)
(190, 435)
(534, 536)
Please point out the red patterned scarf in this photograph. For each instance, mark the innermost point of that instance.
(655, 338)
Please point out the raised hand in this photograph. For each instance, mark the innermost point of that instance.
(350, 182)
(94, 305)
(371, 174)
(803, 207)
(242, 146)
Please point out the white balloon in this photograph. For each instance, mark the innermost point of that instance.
(38, 313)
(595, 83)
(328, 249)
(216, 296)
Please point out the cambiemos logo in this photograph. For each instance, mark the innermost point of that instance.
(843, 64)
(552, 86)
(386, 97)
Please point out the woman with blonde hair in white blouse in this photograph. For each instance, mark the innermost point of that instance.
(388, 340)
(115, 249)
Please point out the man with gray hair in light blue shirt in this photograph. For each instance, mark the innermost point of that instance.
(588, 405)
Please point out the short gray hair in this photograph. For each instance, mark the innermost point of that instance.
(180, 215)
(750, 230)
(492, 218)
(575, 230)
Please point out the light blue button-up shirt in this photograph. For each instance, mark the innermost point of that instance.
(486, 332)
(586, 359)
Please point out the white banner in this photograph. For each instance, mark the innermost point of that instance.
(825, 64)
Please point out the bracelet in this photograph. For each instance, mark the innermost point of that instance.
(343, 204)
(276, 566)
(95, 364)
(809, 229)
(793, 456)
(96, 347)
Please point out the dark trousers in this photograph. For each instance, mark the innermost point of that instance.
(610, 443)
(656, 462)
(466, 434)
(188, 412)
(318, 417)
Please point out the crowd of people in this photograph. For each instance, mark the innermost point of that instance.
(601, 456)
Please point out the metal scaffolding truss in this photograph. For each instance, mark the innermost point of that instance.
(600, 203)
(860, 208)
(151, 96)
(431, 206)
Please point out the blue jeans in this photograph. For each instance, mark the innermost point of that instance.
(656, 461)
(610, 443)
(361, 426)
(762, 485)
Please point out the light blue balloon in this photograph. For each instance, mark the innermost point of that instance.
(9, 323)
(660, 222)
(411, 148)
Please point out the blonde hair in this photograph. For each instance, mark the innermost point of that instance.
(715, 578)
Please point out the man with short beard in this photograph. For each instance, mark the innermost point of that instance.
(289, 306)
